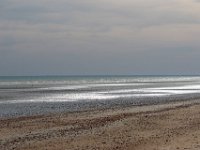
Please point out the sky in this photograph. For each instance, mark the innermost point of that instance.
(99, 37)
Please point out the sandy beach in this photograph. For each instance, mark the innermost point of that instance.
(159, 127)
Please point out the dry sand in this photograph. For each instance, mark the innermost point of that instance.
(161, 127)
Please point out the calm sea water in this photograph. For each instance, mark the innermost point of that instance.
(50, 90)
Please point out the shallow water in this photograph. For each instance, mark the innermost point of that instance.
(38, 95)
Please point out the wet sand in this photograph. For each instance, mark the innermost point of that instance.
(174, 126)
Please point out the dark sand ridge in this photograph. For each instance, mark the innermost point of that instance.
(158, 127)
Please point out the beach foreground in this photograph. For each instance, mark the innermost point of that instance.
(159, 127)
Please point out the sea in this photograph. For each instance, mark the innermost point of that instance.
(39, 95)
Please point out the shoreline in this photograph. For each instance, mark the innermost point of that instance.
(139, 127)
(13, 110)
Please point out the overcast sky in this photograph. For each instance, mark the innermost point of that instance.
(88, 37)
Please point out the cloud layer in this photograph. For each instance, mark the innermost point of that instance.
(99, 37)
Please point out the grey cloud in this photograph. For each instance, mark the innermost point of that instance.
(80, 12)
(98, 37)
(7, 41)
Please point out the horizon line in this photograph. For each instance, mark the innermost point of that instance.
(100, 75)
